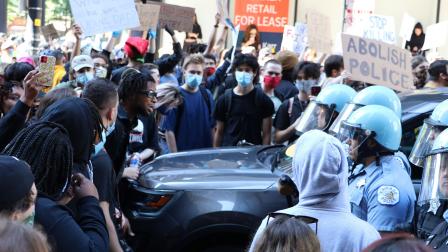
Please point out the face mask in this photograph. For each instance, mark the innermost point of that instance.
(209, 71)
(84, 78)
(110, 129)
(271, 82)
(244, 79)
(30, 219)
(101, 72)
(193, 80)
(305, 85)
(99, 146)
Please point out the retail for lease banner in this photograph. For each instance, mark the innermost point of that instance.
(268, 15)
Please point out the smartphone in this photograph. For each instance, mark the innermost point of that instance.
(315, 90)
(46, 66)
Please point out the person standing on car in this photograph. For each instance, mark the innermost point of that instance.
(189, 126)
(435, 191)
(244, 113)
(320, 172)
(373, 134)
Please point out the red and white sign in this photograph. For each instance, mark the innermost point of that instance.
(268, 15)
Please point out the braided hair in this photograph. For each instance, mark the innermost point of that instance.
(46, 147)
(132, 81)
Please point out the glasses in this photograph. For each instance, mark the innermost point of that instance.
(306, 219)
(150, 94)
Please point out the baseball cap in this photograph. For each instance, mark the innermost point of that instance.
(16, 180)
(82, 61)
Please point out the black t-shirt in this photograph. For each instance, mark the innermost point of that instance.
(286, 90)
(283, 119)
(116, 74)
(105, 180)
(144, 136)
(245, 118)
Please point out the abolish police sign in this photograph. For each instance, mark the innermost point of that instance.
(376, 62)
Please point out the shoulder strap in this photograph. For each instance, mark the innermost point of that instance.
(206, 98)
(290, 105)
(258, 96)
(228, 101)
(179, 112)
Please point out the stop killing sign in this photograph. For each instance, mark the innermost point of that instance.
(376, 62)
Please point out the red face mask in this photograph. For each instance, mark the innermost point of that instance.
(209, 71)
(271, 82)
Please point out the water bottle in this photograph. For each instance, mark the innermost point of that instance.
(135, 161)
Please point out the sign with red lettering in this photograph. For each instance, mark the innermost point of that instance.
(376, 62)
(268, 15)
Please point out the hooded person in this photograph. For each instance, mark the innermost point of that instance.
(320, 172)
(135, 49)
(83, 124)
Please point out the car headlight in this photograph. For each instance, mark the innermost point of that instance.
(150, 201)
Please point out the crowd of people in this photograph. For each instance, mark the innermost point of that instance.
(65, 148)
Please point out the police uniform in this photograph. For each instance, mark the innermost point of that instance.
(383, 195)
(438, 240)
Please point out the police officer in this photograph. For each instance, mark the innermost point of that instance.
(435, 188)
(373, 133)
(322, 111)
(429, 212)
(373, 95)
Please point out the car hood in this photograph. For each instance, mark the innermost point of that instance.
(224, 168)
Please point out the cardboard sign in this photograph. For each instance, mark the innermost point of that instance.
(176, 17)
(49, 32)
(375, 27)
(148, 15)
(376, 62)
(269, 16)
(295, 38)
(436, 35)
(356, 11)
(407, 26)
(101, 16)
(319, 33)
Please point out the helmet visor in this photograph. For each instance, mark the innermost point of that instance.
(423, 144)
(315, 116)
(352, 135)
(343, 116)
(435, 179)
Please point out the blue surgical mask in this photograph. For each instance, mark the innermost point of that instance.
(101, 72)
(305, 85)
(99, 146)
(84, 77)
(110, 129)
(30, 219)
(193, 80)
(244, 79)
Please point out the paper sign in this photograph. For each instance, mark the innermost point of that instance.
(376, 62)
(222, 10)
(294, 38)
(407, 26)
(176, 17)
(356, 11)
(375, 27)
(49, 32)
(148, 15)
(319, 33)
(436, 36)
(269, 16)
(100, 16)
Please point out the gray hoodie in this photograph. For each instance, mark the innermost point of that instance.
(320, 172)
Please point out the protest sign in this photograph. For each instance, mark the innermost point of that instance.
(375, 27)
(176, 17)
(100, 16)
(269, 16)
(407, 26)
(319, 33)
(356, 11)
(222, 6)
(49, 32)
(436, 35)
(294, 38)
(148, 15)
(376, 62)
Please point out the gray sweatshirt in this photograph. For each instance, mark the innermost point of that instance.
(320, 172)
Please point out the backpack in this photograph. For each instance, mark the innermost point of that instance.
(181, 107)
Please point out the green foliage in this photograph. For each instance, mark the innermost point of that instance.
(55, 10)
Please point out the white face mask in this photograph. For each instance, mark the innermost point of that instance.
(100, 72)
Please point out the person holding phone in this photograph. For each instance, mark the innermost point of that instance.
(306, 75)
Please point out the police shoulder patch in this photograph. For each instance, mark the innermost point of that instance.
(388, 195)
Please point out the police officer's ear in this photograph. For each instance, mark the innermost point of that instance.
(371, 143)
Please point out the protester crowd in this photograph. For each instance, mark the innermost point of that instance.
(67, 147)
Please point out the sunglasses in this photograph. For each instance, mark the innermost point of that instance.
(306, 219)
(149, 93)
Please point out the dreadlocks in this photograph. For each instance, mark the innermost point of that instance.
(46, 147)
(132, 82)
